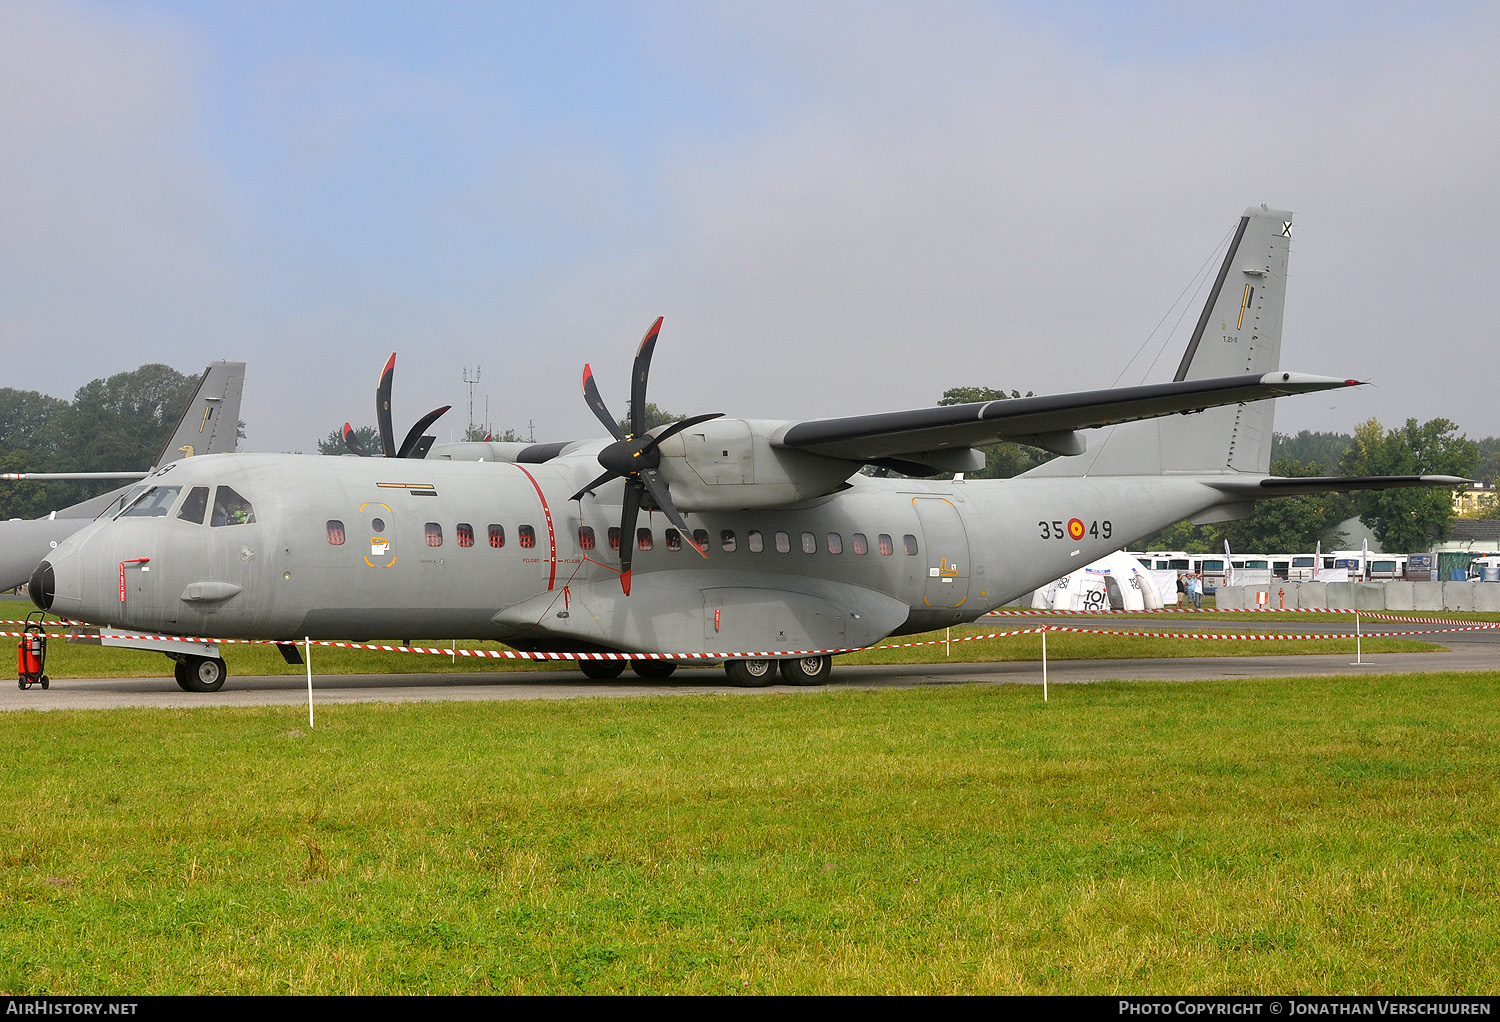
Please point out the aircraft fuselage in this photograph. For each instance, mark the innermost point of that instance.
(369, 547)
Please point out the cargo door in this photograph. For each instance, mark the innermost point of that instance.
(945, 547)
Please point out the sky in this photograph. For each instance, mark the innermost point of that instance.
(839, 208)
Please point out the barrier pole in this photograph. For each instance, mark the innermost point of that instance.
(948, 641)
(1044, 663)
(307, 658)
(1358, 656)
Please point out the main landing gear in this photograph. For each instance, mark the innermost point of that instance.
(745, 672)
(751, 672)
(200, 673)
(609, 670)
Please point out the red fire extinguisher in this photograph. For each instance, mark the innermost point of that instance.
(31, 653)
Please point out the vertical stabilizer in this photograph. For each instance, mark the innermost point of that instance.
(210, 423)
(1238, 332)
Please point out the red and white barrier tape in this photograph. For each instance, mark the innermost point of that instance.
(506, 654)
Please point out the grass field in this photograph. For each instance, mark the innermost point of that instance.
(1287, 835)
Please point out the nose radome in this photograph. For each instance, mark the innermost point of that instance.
(43, 585)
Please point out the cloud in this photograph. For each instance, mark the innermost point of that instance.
(110, 219)
(838, 208)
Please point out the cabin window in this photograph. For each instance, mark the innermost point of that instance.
(335, 532)
(196, 505)
(434, 534)
(700, 537)
(154, 502)
(526, 536)
(835, 543)
(726, 540)
(911, 544)
(644, 539)
(465, 533)
(614, 537)
(230, 508)
(757, 541)
(586, 537)
(497, 536)
(378, 524)
(674, 539)
(861, 545)
(809, 543)
(886, 546)
(783, 543)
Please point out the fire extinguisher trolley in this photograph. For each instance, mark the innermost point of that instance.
(31, 653)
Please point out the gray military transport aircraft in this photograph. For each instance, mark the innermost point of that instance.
(209, 424)
(771, 543)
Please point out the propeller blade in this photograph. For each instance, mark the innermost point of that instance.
(629, 509)
(383, 408)
(638, 376)
(663, 500)
(408, 446)
(606, 477)
(352, 442)
(678, 427)
(595, 402)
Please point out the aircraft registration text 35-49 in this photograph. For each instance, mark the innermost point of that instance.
(1099, 528)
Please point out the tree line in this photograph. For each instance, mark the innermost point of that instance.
(122, 421)
(1406, 520)
(118, 423)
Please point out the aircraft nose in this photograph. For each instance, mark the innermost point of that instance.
(43, 585)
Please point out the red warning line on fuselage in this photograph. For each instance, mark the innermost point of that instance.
(551, 531)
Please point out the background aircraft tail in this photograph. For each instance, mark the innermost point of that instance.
(1239, 331)
(210, 422)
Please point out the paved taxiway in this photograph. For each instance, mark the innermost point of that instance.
(1475, 652)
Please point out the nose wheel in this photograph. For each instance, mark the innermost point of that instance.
(200, 674)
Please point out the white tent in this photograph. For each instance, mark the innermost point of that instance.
(1116, 582)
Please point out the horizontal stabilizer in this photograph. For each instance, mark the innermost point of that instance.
(1046, 422)
(1293, 486)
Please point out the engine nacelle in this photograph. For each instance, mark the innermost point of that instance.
(727, 464)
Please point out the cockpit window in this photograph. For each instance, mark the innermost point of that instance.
(154, 503)
(194, 506)
(124, 501)
(230, 508)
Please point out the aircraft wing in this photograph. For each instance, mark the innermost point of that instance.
(1048, 422)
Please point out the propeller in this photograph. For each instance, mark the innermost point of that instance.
(636, 456)
(415, 445)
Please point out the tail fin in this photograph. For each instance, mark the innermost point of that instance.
(1239, 331)
(210, 423)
